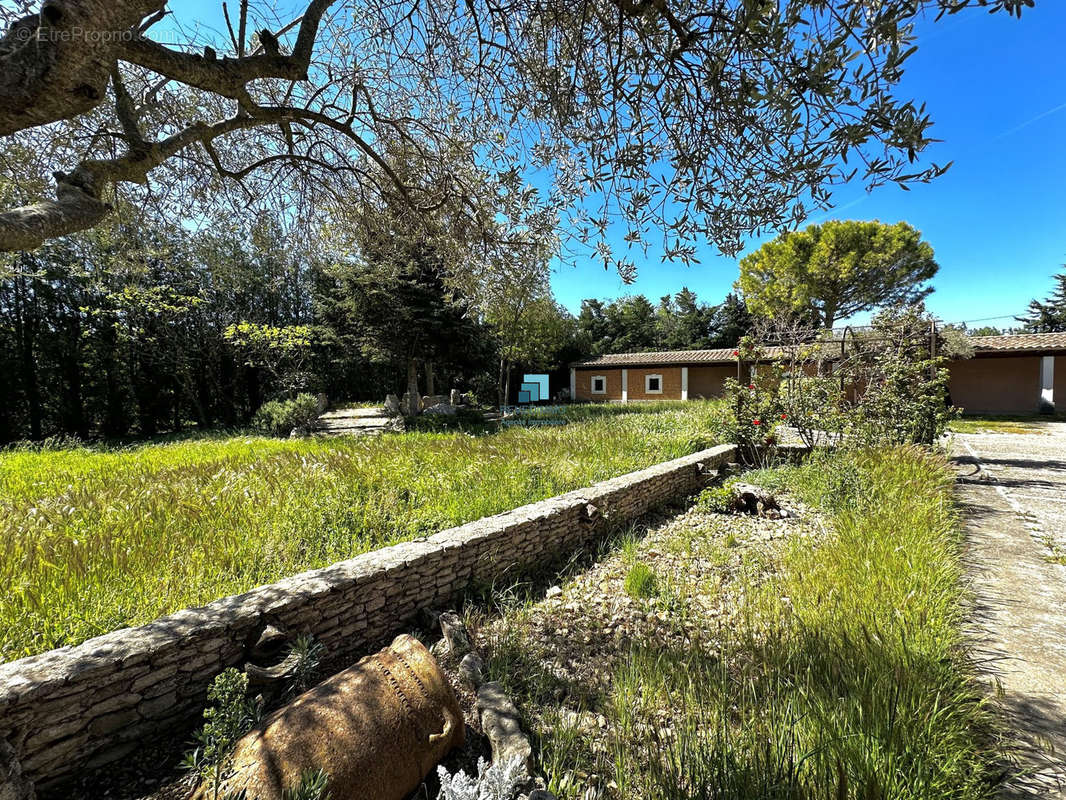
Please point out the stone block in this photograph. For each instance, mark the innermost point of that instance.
(120, 701)
(53, 733)
(158, 706)
(499, 722)
(109, 723)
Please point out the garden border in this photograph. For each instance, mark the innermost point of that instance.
(82, 707)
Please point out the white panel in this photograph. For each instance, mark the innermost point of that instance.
(625, 386)
(684, 383)
(1047, 381)
(573, 384)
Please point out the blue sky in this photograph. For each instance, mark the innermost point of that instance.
(996, 89)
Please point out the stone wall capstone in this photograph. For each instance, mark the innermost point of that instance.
(82, 707)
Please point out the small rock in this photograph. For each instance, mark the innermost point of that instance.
(471, 668)
(441, 409)
(553, 591)
(392, 405)
(751, 499)
(499, 723)
(455, 634)
(269, 644)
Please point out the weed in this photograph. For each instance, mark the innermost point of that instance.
(313, 785)
(1004, 423)
(499, 781)
(641, 581)
(231, 715)
(716, 499)
(280, 417)
(309, 657)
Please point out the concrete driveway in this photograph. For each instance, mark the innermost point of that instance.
(1012, 488)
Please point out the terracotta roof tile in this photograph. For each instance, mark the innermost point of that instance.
(1017, 342)
(720, 356)
(1020, 342)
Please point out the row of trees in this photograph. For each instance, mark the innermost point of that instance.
(124, 329)
(140, 328)
(679, 322)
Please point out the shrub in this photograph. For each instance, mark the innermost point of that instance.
(716, 499)
(880, 387)
(309, 657)
(500, 781)
(468, 420)
(756, 414)
(905, 401)
(232, 715)
(313, 785)
(641, 581)
(279, 417)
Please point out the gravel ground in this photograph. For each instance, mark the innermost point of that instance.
(1028, 471)
(1012, 488)
(582, 631)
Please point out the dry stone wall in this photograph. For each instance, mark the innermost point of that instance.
(83, 707)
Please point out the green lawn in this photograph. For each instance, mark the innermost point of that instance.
(92, 539)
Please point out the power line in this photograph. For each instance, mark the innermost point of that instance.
(984, 319)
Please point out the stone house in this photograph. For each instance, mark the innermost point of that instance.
(1009, 374)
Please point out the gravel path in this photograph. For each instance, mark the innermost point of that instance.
(1012, 488)
(574, 640)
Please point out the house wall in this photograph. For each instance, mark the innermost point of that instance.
(998, 384)
(1060, 384)
(995, 384)
(584, 384)
(634, 380)
(671, 383)
(707, 382)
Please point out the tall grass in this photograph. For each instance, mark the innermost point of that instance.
(849, 678)
(843, 673)
(92, 540)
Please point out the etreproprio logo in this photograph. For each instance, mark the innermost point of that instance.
(533, 389)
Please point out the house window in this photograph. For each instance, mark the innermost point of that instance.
(653, 384)
(599, 384)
